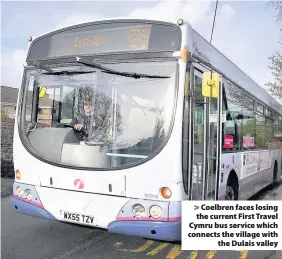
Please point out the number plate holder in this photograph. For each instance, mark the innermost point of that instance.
(78, 218)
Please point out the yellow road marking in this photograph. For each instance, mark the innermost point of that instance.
(211, 254)
(174, 252)
(243, 253)
(193, 255)
(138, 250)
(118, 244)
(144, 247)
(158, 249)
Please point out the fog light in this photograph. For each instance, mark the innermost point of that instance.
(138, 210)
(155, 211)
(28, 194)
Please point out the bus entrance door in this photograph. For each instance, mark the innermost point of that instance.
(205, 135)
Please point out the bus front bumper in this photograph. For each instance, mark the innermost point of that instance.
(29, 209)
(167, 231)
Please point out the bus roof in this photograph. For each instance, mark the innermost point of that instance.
(219, 61)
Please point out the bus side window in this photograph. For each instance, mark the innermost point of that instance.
(240, 110)
(229, 126)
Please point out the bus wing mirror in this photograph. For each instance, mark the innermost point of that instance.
(210, 84)
(42, 91)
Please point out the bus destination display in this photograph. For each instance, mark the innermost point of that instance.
(106, 38)
(111, 40)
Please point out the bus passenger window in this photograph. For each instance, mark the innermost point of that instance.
(260, 130)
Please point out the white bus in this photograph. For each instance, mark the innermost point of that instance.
(144, 114)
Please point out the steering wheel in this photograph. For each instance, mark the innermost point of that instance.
(76, 131)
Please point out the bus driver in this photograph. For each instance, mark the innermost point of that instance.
(83, 121)
(88, 112)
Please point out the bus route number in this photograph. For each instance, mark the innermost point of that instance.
(139, 38)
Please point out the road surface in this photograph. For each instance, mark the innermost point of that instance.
(24, 237)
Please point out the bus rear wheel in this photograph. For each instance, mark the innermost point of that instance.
(232, 187)
(230, 193)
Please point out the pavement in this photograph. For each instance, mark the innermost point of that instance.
(25, 237)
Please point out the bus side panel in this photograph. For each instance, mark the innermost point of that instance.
(252, 178)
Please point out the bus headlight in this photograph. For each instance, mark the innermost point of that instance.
(28, 194)
(138, 210)
(19, 191)
(155, 211)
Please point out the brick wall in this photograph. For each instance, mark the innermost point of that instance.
(7, 131)
(7, 134)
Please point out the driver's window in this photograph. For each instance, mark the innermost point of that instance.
(62, 105)
(56, 107)
(68, 103)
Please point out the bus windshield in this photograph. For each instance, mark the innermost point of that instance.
(97, 119)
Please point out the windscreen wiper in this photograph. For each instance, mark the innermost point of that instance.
(37, 64)
(59, 73)
(114, 72)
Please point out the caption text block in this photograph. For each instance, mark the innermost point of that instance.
(229, 225)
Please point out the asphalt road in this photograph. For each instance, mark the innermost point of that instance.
(25, 237)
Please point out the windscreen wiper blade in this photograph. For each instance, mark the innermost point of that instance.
(114, 72)
(58, 73)
(65, 73)
(37, 64)
(134, 75)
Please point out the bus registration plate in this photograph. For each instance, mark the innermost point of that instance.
(78, 218)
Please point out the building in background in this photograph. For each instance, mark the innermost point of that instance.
(9, 97)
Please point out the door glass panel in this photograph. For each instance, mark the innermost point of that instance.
(211, 178)
(199, 138)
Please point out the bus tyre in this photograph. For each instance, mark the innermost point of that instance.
(230, 193)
